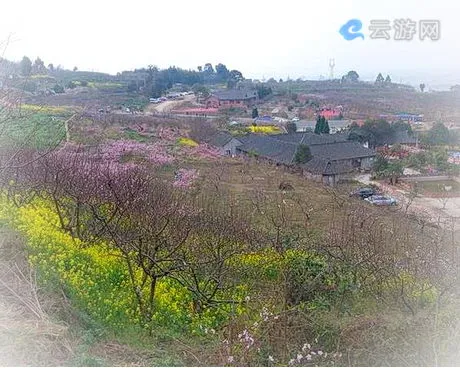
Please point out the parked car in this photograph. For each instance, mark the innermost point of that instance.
(363, 192)
(380, 200)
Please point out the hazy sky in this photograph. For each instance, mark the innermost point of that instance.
(260, 38)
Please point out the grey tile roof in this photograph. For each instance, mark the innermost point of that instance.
(235, 94)
(270, 148)
(329, 154)
(321, 166)
(310, 138)
(341, 150)
(220, 139)
(302, 124)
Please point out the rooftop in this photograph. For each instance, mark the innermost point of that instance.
(325, 149)
(235, 94)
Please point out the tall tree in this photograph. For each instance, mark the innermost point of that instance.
(388, 79)
(319, 125)
(236, 75)
(25, 66)
(351, 76)
(322, 125)
(222, 72)
(422, 87)
(326, 129)
(379, 79)
(437, 135)
(208, 69)
(38, 67)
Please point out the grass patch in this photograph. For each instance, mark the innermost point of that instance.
(34, 131)
(47, 110)
(135, 135)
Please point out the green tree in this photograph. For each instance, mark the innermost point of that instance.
(200, 91)
(255, 113)
(380, 164)
(236, 75)
(379, 79)
(263, 91)
(25, 66)
(393, 171)
(71, 85)
(303, 154)
(437, 135)
(322, 125)
(326, 129)
(208, 69)
(422, 87)
(319, 125)
(38, 67)
(58, 88)
(222, 72)
(351, 76)
(388, 79)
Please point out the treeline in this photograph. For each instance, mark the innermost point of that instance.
(26, 67)
(377, 132)
(153, 81)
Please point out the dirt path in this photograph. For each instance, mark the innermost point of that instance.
(169, 105)
(433, 208)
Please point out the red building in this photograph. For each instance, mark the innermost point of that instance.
(330, 113)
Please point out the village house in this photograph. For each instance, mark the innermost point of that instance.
(333, 157)
(225, 143)
(232, 98)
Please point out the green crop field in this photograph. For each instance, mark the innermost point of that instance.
(31, 130)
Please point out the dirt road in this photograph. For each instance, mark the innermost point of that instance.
(420, 205)
(167, 106)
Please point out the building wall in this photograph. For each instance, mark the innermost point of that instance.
(237, 103)
(366, 163)
(230, 148)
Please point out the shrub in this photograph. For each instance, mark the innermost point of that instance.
(58, 88)
(187, 142)
(266, 129)
(71, 85)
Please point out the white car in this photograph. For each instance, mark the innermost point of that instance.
(380, 200)
(295, 119)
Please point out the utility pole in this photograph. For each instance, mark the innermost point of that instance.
(331, 68)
